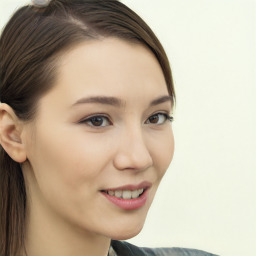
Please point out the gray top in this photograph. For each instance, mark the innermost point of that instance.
(120, 248)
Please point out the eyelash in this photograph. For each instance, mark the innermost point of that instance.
(89, 121)
(166, 116)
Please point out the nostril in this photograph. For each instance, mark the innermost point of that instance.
(131, 161)
(132, 152)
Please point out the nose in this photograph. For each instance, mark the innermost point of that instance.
(132, 152)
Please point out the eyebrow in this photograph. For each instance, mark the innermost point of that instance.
(105, 100)
(113, 101)
(161, 100)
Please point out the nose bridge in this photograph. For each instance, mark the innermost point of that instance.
(133, 152)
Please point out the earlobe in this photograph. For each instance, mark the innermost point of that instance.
(10, 134)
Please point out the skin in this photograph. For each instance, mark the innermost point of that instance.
(70, 160)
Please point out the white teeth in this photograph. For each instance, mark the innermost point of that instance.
(126, 194)
(111, 192)
(135, 193)
(118, 193)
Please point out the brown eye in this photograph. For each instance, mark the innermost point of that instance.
(159, 118)
(96, 121)
(154, 119)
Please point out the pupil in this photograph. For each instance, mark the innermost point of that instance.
(97, 121)
(154, 119)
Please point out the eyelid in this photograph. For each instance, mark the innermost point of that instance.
(167, 115)
(88, 118)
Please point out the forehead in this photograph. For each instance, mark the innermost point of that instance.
(110, 67)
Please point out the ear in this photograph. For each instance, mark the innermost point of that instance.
(10, 134)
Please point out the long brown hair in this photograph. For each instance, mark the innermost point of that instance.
(29, 47)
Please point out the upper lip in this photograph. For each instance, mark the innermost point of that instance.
(144, 185)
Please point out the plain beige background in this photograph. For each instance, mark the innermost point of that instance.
(207, 198)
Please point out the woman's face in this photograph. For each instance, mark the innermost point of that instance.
(102, 133)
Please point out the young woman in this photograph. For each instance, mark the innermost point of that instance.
(85, 124)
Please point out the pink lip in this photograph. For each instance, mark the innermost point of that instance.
(129, 204)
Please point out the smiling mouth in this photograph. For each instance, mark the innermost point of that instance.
(125, 194)
(128, 197)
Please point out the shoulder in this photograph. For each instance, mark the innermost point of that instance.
(127, 249)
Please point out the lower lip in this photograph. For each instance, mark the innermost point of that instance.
(128, 204)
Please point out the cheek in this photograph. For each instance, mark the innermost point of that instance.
(162, 152)
(69, 158)
(66, 170)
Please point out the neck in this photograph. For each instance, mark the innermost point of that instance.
(55, 237)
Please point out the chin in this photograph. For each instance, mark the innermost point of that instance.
(126, 233)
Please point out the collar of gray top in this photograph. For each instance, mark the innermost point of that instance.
(111, 252)
(123, 248)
